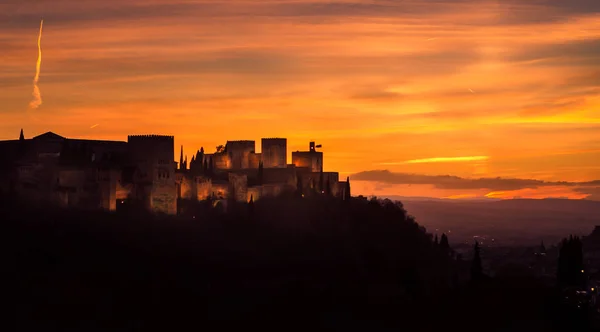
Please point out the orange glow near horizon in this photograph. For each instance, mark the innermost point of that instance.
(472, 89)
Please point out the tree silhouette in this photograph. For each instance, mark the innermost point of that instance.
(210, 167)
(260, 173)
(299, 189)
(570, 269)
(181, 159)
(444, 245)
(476, 267)
(435, 240)
(251, 206)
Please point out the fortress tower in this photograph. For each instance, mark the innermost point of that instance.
(239, 153)
(274, 152)
(152, 156)
(312, 158)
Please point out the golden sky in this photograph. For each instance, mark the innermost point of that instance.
(399, 93)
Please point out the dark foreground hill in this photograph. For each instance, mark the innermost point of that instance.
(284, 263)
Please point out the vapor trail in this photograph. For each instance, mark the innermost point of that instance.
(37, 96)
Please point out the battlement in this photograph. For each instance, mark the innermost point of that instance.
(274, 139)
(151, 136)
(243, 141)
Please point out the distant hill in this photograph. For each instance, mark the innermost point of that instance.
(518, 221)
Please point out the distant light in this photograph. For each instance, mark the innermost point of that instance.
(582, 271)
(593, 289)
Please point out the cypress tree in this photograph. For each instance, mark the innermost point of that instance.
(444, 245)
(181, 159)
(299, 189)
(251, 206)
(260, 173)
(476, 267)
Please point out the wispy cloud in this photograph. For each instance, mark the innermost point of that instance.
(438, 160)
(373, 81)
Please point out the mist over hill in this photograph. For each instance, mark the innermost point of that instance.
(508, 222)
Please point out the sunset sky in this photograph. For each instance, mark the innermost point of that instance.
(413, 98)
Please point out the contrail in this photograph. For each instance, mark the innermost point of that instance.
(37, 96)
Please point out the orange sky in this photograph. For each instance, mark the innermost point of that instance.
(473, 89)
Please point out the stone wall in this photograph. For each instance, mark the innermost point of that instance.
(108, 180)
(255, 159)
(220, 190)
(221, 161)
(186, 186)
(312, 160)
(203, 187)
(279, 176)
(238, 185)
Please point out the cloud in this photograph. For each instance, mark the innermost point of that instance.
(585, 52)
(455, 182)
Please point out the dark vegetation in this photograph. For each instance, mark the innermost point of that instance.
(284, 263)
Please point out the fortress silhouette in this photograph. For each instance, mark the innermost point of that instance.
(96, 174)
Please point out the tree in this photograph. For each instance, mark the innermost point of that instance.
(21, 136)
(181, 159)
(299, 188)
(570, 269)
(476, 267)
(260, 173)
(435, 240)
(220, 148)
(444, 245)
(251, 205)
(210, 166)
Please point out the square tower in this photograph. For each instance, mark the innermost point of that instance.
(155, 181)
(274, 152)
